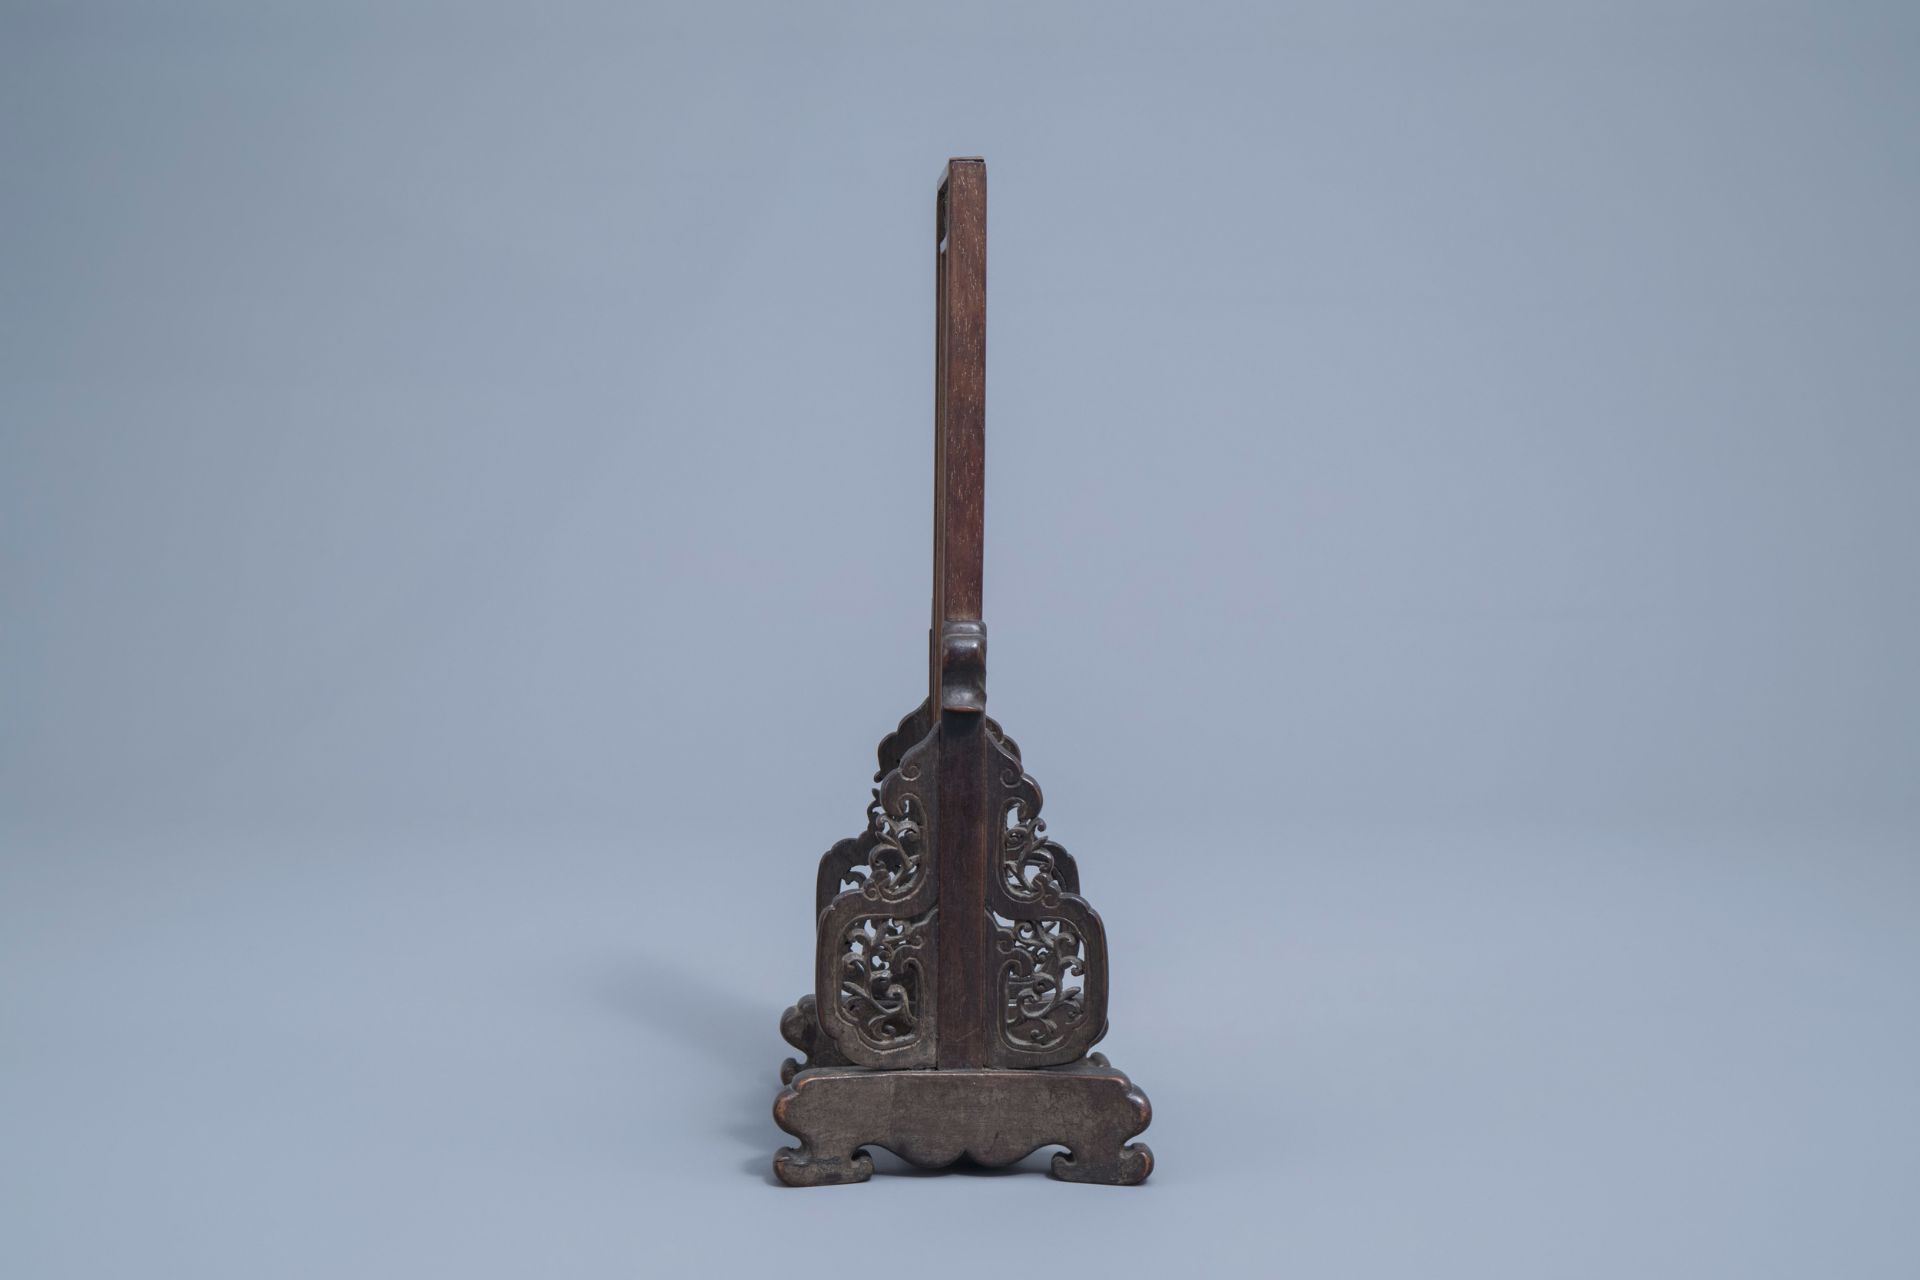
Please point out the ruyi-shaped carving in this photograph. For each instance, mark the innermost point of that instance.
(960, 979)
(876, 992)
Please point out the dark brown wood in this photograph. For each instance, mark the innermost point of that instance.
(961, 857)
(960, 979)
(960, 376)
(960, 690)
(936, 1118)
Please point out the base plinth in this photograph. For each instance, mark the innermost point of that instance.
(936, 1118)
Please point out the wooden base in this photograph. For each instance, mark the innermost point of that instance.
(935, 1118)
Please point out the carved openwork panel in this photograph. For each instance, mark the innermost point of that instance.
(874, 981)
(884, 962)
(1050, 947)
(877, 892)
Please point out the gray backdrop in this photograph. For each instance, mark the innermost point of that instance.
(1451, 563)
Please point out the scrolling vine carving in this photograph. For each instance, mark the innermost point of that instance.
(883, 963)
(1051, 947)
(877, 892)
(1046, 962)
(874, 986)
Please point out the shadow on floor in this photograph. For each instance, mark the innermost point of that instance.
(731, 1038)
(734, 1039)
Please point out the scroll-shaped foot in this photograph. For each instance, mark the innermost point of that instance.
(801, 1166)
(1101, 1152)
(1126, 1166)
(829, 1153)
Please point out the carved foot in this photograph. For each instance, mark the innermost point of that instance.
(802, 1167)
(826, 1156)
(1127, 1166)
(1105, 1156)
